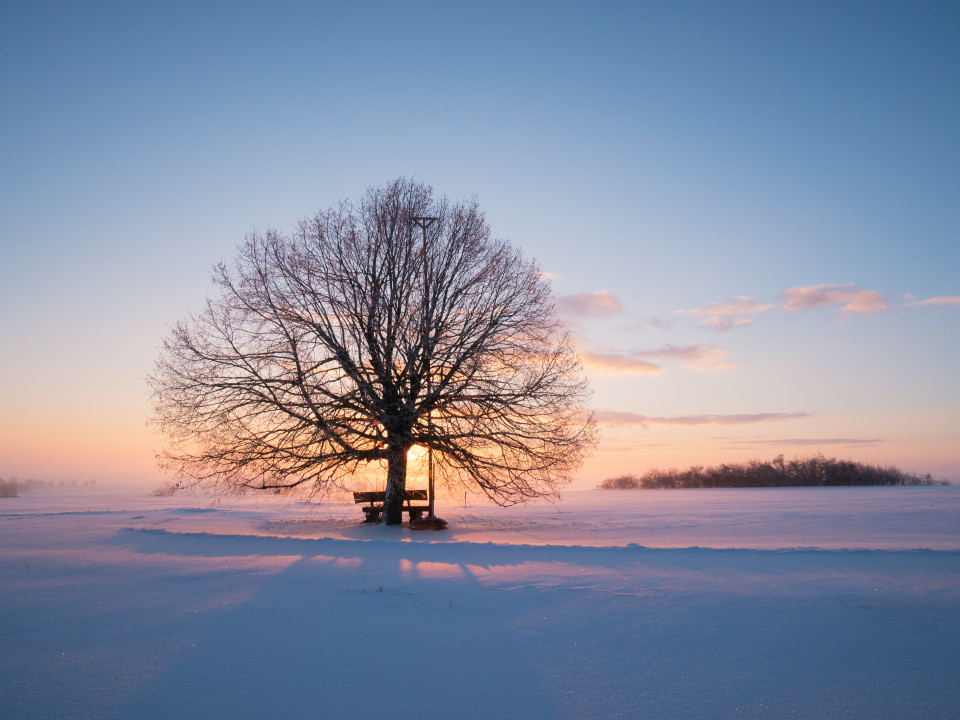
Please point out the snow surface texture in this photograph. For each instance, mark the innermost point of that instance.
(807, 603)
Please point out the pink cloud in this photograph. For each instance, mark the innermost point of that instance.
(699, 357)
(690, 351)
(852, 299)
(618, 364)
(740, 305)
(588, 304)
(613, 417)
(654, 321)
(940, 300)
(850, 442)
(865, 301)
(720, 323)
(742, 311)
(738, 311)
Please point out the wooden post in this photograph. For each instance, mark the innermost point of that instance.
(423, 222)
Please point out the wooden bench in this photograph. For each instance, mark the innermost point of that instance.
(375, 500)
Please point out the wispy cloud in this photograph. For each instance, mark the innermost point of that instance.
(852, 299)
(941, 300)
(654, 321)
(658, 322)
(850, 442)
(742, 311)
(627, 446)
(614, 417)
(719, 323)
(596, 304)
(697, 356)
(739, 311)
(690, 351)
(619, 364)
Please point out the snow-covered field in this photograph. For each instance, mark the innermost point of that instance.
(807, 603)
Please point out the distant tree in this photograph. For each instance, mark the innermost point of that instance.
(623, 482)
(360, 335)
(9, 487)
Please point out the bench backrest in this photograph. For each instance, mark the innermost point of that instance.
(379, 497)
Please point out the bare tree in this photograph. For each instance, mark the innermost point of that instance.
(358, 336)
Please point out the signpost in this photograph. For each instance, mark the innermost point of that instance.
(423, 222)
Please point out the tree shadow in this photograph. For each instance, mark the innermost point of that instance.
(347, 627)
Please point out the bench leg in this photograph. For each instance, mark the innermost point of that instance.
(415, 515)
(372, 515)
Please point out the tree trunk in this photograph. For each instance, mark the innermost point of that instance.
(396, 485)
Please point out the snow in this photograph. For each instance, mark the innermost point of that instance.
(808, 603)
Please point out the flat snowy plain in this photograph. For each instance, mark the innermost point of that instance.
(807, 603)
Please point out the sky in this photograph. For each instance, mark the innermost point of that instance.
(748, 209)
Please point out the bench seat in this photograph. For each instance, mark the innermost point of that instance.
(373, 510)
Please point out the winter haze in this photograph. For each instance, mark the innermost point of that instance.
(748, 212)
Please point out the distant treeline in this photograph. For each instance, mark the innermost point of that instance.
(13, 486)
(817, 471)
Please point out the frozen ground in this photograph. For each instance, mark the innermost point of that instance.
(807, 603)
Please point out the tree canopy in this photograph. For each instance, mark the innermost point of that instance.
(363, 333)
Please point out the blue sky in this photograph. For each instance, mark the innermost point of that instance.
(686, 159)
